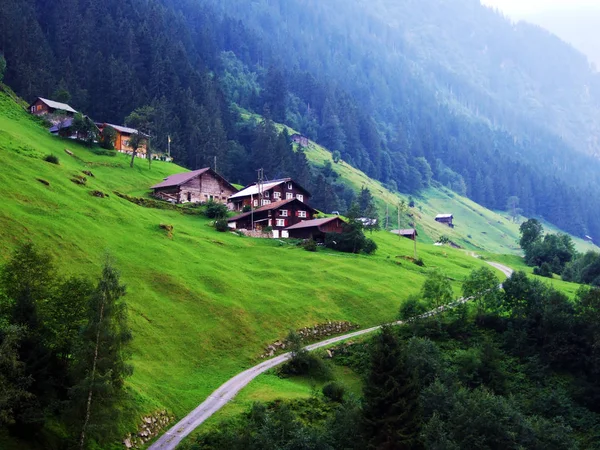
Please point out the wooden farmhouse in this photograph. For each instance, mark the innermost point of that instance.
(272, 192)
(302, 141)
(198, 186)
(278, 216)
(42, 106)
(123, 136)
(445, 219)
(316, 228)
(410, 233)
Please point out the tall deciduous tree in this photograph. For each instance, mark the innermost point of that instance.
(143, 120)
(103, 352)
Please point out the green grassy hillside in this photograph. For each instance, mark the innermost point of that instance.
(476, 228)
(203, 304)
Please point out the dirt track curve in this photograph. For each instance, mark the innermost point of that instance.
(227, 391)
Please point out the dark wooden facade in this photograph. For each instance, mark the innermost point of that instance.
(316, 229)
(410, 233)
(445, 219)
(278, 216)
(272, 192)
(198, 186)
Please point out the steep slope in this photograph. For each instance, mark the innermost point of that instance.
(203, 304)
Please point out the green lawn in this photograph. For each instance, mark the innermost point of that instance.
(204, 304)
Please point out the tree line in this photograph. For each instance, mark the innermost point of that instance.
(64, 351)
(515, 369)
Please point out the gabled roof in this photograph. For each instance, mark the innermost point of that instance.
(121, 128)
(270, 207)
(444, 216)
(181, 178)
(407, 232)
(312, 223)
(55, 105)
(64, 124)
(252, 189)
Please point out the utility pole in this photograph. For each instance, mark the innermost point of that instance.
(387, 216)
(215, 163)
(415, 229)
(399, 237)
(169, 145)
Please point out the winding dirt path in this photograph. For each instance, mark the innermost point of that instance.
(228, 390)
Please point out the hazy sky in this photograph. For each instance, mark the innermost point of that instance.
(524, 7)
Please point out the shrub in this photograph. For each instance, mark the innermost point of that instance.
(246, 208)
(369, 247)
(309, 245)
(334, 391)
(214, 210)
(53, 159)
(104, 152)
(545, 270)
(411, 308)
(302, 362)
(221, 225)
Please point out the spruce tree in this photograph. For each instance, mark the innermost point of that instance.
(391, 409)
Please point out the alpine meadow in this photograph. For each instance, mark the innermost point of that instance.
(296, 224)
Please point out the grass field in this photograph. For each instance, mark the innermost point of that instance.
(203, 304)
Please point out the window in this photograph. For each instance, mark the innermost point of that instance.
(283, 213)
(276, 194)
(289, 186)
(300, 197)
(289, 195)
(266, 194)
(189, 196)
(255, 202)
(266, 202)
(281, 222)
(302, 214)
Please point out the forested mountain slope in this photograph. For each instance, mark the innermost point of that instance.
(408, 92)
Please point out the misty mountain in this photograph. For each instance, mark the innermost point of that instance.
(578, 27)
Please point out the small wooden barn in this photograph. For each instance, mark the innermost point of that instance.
(198, 186)
(445, 219)
(410, 233)
(123, 136)
(299, 139)
(41, 106)
(316, 229)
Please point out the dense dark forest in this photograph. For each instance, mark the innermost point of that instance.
(379, 93)
(517, 369)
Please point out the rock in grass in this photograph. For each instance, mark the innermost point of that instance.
(68, 152)
(99, 194)
(78, 179)
(89, 174)
(45, 182)
(168, 229)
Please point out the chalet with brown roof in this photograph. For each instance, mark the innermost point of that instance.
(445, 219)
(269, 192)
(198, 186)
(278, 216)
(316, 228)
(122, 140)
(410, 233)
(42, 106)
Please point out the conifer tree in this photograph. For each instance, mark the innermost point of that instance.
(391, 397)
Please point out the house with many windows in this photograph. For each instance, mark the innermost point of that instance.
(256, 195)
(276, 216)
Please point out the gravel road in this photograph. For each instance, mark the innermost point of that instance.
(227, 391)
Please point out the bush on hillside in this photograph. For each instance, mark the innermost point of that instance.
(221, 225)
(53, 159)
(310, 245)
(545, 270)
(302, 362)
(246, 208)
(370, 246)
(214, 210)
(350, 240)
(334, 391)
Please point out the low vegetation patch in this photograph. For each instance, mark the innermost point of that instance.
(89, 173)
(168, 229)
(99, 194)
(52, 159)
(147, 202)
(79, 179)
